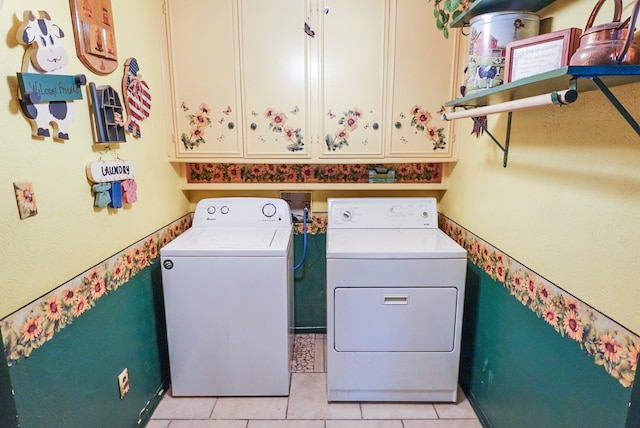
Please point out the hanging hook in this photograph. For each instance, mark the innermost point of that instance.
(107, 150)
(104, 152)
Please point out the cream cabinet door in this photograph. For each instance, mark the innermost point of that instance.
(423, 66)
(204, 78)
(274, 55)
(353, 63)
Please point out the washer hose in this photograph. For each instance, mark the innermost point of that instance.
(304, 238)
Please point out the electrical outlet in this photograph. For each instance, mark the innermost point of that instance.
(123, 383)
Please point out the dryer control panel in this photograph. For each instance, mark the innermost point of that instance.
(239, 212)
(382, 213)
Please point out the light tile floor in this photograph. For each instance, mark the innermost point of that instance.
(307, 406)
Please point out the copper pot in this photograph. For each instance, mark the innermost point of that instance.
(611, 43)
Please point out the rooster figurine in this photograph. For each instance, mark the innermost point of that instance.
(479, 122)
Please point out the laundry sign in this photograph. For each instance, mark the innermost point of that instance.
(114, 182)
(107, 171)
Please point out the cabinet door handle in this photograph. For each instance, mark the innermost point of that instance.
(398, 125)
(375, 125)
(231, 125)
(253, 126)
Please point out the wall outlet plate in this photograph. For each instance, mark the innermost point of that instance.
(123, 383)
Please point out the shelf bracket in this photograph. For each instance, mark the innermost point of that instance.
(612, 98)
(505, 148)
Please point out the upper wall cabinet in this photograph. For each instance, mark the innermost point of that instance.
(307, 81)
(274, 64)
(203, 90)
(423, 70)
(353, 62)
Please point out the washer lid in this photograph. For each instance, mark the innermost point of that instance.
(392, 244)
(230, 242)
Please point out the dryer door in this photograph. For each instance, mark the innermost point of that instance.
(395, 319)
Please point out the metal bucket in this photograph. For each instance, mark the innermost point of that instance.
(489, 36)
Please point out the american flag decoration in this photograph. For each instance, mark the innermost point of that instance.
(137, 98)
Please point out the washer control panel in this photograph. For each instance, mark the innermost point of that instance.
(238, 212)
(382, 213)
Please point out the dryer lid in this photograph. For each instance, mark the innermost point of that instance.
(392, 244)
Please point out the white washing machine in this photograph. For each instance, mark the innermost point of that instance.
(395, 293)
(228, 295)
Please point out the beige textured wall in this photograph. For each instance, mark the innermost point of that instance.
(568, 204)
(68, 235)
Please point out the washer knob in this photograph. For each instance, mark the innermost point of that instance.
(211, 210)
(224, 209)
(269, 210)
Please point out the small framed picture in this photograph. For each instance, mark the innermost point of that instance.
(25, 198)
(539, 54)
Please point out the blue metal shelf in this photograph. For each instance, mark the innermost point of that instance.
(580, 78)
(611, 75)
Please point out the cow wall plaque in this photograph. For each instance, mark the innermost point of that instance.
(45, 93)
(95, 34)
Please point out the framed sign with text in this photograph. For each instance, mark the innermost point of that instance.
(535, 55)
(95, 34)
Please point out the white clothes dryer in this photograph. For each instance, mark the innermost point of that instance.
(395, 294)
(228, 295)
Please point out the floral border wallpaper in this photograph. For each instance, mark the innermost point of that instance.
(317, 225)
(612, 346)
(32, 326)
(308, 173)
